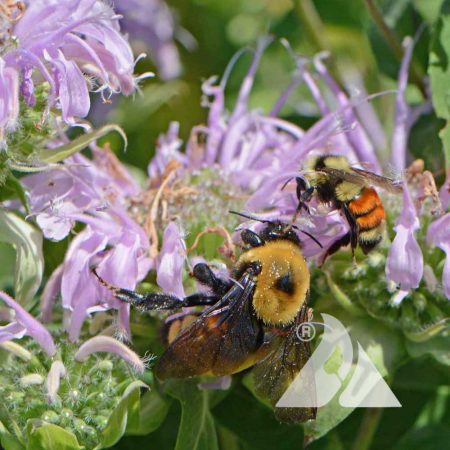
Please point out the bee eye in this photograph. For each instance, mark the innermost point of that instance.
(285, 284)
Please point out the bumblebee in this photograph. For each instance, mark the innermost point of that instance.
(247, 323)
(349, 190)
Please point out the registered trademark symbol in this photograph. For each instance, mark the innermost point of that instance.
(306, 331)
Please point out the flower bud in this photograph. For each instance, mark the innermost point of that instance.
(50, 416)
(32, 379)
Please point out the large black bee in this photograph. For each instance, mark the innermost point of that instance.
(349, 190)
(249, 322)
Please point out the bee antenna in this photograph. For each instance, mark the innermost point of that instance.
(311, 236)
(102, 281)
(250, 216)
(286, 183)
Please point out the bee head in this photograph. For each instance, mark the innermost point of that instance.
(279, 230)
(276, 230)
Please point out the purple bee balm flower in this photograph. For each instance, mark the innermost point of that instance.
(171, 261)
(248, 146)
(404, 265)
(65, 42)
(58, 196)
(439, 235)
(94, 193)
(118, 248)
(24, 324)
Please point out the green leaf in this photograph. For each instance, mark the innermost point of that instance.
(443, 326)
(153, 411)
(46, 159)
(60, 153)
(127, 411)
(9, 441)
(398, 16)
(197, 430)
(432, 437)
(46, 436)
(384, 348)
(30, 166)
(27, 242)
(13, 189)
(429, 10)
(439, 64)
(425, 143)
(438, 347)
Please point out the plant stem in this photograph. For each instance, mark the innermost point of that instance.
(391, 38)
(367, 429)
(389, 35)
(310, 19)
(315, 30)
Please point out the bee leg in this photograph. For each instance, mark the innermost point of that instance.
(147, 302)
(203, 273)
(160, 301)
(200, 299)
(304, 193)
(353, 228)
(156, 301)
(335, 246)
(251, 238)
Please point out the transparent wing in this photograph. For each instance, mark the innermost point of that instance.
(364, 178)
(275, 373)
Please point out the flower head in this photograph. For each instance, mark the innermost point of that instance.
(96, 194)
(64, 385)
(64, 42)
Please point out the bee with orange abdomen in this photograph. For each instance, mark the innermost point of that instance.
(351, 191)
(249, 321)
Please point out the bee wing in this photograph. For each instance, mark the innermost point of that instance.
(364, 178)
(275, 373)
(219, 341)
(390, 185)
